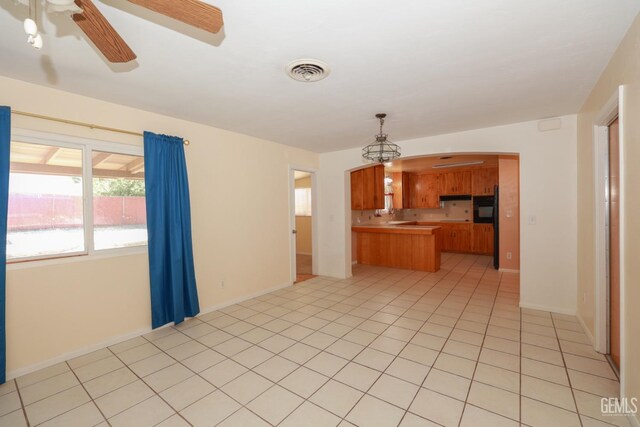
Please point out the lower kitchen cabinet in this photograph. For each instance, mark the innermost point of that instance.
(482, 239)
(456, 237)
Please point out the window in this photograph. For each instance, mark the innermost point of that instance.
(60, 207)
(303, 201)
(46, 215)
(119, 211)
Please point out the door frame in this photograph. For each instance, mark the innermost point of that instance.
(614, 107)
(292, 218)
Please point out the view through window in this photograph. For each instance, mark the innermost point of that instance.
(45, 201)
(47, 204)
(119, 212)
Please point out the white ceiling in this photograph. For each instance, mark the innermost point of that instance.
(434, 66)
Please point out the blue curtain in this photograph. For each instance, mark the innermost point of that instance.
(173, 282)
(5, 141)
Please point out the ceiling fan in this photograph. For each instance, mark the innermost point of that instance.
(93, 23)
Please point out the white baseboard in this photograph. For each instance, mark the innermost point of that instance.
(76, 353)
(244, 298)
(633, 420)
(508, 270)
(115, 340)
(551, 309)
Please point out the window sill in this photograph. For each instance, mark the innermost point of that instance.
(73, 258)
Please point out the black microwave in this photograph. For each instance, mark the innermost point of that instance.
(483, 209)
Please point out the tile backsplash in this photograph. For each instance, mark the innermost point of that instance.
(453, 209)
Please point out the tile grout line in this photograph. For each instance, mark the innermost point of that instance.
(475, 368)
(89, 395)
(566, 370)
(22, 406)
(440, 352)
(144, 382)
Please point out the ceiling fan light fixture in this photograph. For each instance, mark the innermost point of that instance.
(30, 27)
(381, 150)
(35, 41)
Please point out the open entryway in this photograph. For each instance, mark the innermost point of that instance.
(302, 222)
(470, 200)
(609, 232)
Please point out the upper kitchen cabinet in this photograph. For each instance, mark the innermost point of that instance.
(483, 181)
(424, 191)
(367, 188)
(401, 187)
(357, 190)
(454, 183)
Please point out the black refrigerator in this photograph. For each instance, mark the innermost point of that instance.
(496, 228)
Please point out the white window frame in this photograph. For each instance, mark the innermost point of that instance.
(87, 147)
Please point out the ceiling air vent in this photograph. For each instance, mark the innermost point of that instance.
(307, 70)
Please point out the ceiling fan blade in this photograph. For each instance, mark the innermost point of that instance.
(193, 12)
(101, 33)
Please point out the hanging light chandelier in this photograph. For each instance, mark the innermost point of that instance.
(381, 150)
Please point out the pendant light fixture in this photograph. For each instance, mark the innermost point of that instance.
(381, 150)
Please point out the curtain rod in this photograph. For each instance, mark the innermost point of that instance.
(76, 123)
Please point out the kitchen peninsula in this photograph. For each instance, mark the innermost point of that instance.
(400, 245)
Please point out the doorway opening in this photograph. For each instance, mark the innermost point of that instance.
(303, 225)
(473, 198)
(610, 233)
(613, 240)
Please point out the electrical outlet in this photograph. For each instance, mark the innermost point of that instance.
(509, 256)
(532, 220)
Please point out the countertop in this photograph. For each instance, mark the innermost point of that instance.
(410, 228)
(416, 223)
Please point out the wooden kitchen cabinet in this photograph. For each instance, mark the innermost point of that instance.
(455, 183)
(424, 191)
(357, 190)
(456, 237)
(483, 181)
(401, 188)
(367, 188)
(482, 242)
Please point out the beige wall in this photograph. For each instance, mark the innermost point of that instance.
(59, 309)
(303, 224)
(547, 271)
(623, 69)
(509, 182)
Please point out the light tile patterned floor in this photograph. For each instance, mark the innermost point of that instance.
(384, 348)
